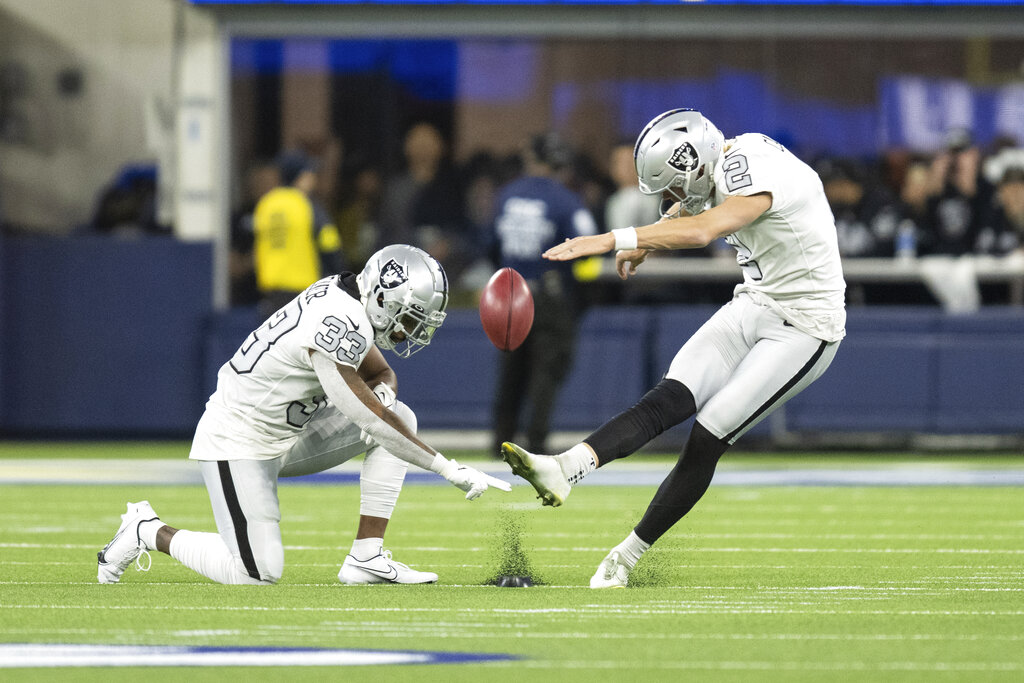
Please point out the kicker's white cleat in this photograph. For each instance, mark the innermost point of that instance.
(610, 573)
(542, 471)
(381, 569)
(126, 546)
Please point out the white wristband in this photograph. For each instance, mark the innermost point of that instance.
(438, 465)
(625, 238)
(385, 394)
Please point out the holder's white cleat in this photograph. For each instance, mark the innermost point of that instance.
(126, 546)
(610, 573)
(542, 471)
(381, 569)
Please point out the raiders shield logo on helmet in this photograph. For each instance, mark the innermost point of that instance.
(392, 275)
(684, 158)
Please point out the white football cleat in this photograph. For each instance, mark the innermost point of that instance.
(126, 546)
(381, 569)
(610, 573)
(542, 471)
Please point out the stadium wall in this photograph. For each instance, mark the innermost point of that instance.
(103, 335)
(108, 337)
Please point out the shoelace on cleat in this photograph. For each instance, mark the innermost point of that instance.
(138, 561)
(387, 556)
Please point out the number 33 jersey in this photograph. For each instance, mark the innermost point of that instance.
(268, 391)
(790, 254)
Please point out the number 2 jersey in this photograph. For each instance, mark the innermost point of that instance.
(790, 254)
(268, 391)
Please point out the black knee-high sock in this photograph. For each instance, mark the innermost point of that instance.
(664, 406)
(684, 485)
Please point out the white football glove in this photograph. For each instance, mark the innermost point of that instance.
(386, 395)
(472, 481)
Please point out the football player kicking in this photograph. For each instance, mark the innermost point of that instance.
(308, 390)
(778, 334)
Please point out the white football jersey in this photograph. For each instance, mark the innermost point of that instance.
(268, 391)
(790, 254)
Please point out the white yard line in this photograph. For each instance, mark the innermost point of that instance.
(601, 549)
(460, 630)
(591, 610)
(953, 667)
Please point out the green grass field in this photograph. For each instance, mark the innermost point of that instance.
(767, 583)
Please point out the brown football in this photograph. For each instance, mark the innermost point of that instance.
(506, 309)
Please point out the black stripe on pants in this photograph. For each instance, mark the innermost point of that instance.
(238, 519)
(781, 392)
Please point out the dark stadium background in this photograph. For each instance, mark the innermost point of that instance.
(114, 335)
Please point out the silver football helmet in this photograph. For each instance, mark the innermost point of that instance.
(677, 153)
(404, 291)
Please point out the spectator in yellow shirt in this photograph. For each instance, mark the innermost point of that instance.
(295, 243)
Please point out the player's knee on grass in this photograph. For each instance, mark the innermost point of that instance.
(240, 576)
(268, 550)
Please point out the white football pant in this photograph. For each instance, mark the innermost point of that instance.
(243, 493)
(745, 362)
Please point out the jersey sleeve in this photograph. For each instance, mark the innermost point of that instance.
(754, 164)
(338, 328)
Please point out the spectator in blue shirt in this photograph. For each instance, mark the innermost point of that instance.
(532, 214)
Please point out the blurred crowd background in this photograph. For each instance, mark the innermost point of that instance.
(147, 146)
(963, 200)
(916, 132)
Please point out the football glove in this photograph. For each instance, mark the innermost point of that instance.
(472, 481)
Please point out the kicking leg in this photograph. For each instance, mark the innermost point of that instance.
(661, 408)
(664, 406)
(699, 369)
(778, 366)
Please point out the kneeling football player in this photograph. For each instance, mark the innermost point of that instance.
(306, 391)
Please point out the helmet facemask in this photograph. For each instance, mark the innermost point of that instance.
(410, 327)
(404, 291)
(676, 155)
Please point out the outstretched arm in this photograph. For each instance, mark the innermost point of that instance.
(355, 399)
(350, 393)
(684, 232)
